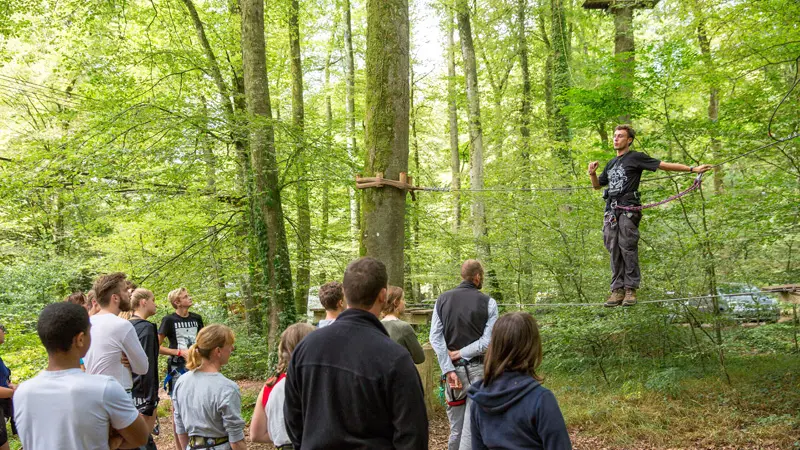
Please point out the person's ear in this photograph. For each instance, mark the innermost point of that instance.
(382, 296)
(81, 341)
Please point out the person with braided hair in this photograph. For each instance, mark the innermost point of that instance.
(268, 424)
(207, 405)
(620, 227)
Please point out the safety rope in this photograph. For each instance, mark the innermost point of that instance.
(697, 182)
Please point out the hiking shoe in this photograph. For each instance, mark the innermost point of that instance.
(616, 298)
(630, 297)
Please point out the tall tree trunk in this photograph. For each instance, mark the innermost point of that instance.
(298, 128)
(350, 105)
(713, 102)
(525, 109)
(323, 232)
(386, 140)
(525, 134)
(475, 130)
(415, 289)
(210, 161)
(267, 195)
(452, 106)
(561, 79)
(624, 48)
(548, 74)
(254, 297)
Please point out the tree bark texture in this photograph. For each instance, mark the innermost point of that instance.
(624, 48)
(386, 139)
(475, 130)
(269, 212)
(301, 187)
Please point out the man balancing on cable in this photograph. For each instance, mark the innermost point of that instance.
(621, 228)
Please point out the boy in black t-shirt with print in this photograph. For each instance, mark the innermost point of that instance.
(180, 328)
(621, 228)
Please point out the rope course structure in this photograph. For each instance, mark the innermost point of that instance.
(405, 182)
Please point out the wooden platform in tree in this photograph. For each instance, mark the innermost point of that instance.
(787, 292)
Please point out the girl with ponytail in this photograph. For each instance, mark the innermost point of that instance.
(208, 406)
(267, 424)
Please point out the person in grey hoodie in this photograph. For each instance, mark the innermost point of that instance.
(512, 410)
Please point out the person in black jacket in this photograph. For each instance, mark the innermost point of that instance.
(349, 385)
(621, 228)
(145, 387)
(511, 409)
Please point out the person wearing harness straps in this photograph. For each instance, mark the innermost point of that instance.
(145, 387)
(207, 405)
(180, 329)
(461, 328)
(621, 228)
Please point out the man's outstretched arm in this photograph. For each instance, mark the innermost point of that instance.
(677, 167)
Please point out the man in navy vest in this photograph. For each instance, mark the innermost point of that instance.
(461, 327)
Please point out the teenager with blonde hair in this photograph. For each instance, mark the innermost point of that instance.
(399, 330)
(268, 424)
(145, 387)
(207, 405)
(511, 409)
(180, 330)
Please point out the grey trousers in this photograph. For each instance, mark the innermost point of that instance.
(459, 416)
(621, 238)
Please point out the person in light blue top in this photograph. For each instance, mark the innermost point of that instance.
(461, 328)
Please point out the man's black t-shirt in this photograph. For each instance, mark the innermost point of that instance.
(181, 331)
(623, 173)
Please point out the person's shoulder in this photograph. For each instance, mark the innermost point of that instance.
(229, 384)
(194, 315)
(405, 327)
(640, 155)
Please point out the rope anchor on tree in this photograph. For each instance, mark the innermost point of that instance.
(405, 183)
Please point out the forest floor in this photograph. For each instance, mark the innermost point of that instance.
(584, 436)
(439, 428)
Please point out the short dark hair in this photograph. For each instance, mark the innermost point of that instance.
(59, 323)
(108, 285)
(363, 280)
(330, 294)
(628, 129)
(470, 268)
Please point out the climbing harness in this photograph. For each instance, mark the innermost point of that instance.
(695, 185)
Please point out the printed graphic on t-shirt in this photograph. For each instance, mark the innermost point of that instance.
(186, 333)
(616, 179)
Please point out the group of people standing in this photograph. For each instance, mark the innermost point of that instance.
(100, 389)
(349, 383)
